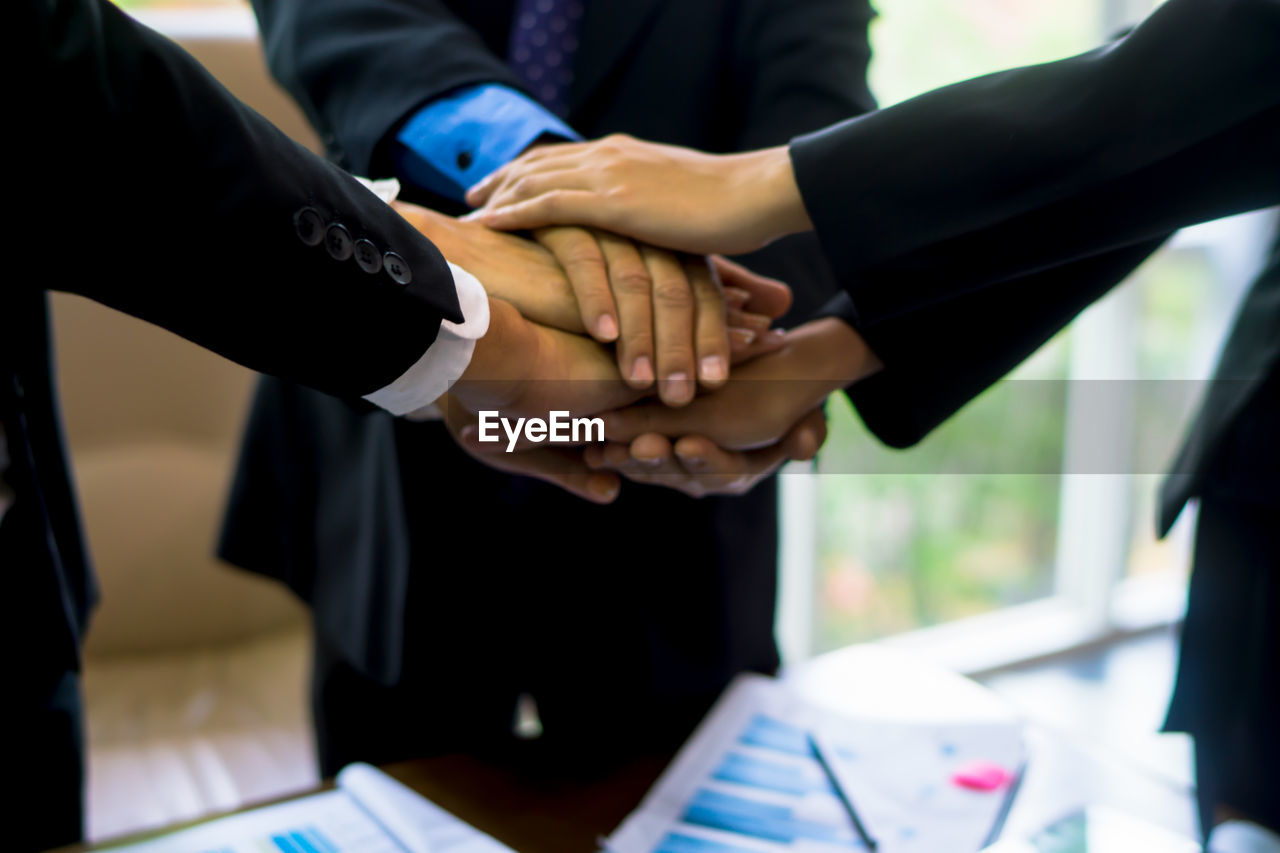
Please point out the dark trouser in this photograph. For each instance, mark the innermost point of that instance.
(623, 623)
(44, 758)
(1227, 694)
(44, 738)
(358, 719)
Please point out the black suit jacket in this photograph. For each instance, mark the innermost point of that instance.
(1231, 450)
(215, 256)
(1002, 206)
(664, 595)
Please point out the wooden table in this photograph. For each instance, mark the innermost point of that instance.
(546, 813)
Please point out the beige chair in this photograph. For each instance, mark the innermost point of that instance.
(195, 673)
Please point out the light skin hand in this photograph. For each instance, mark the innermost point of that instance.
(660, 194)
(697, 466)
(765, 397)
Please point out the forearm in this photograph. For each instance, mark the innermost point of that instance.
(360, 67)
(763, 185)
(1009, 174)
(228, 265)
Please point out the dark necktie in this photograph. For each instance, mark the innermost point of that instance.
(544, 41)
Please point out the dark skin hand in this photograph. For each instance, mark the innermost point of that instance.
(697, 466)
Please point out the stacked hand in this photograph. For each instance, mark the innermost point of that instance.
(665, 312)
(662, 194)
(676, 323)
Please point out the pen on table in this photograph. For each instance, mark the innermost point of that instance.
(827, 759)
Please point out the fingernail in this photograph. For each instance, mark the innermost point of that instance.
(642, 370)
(604, 488)
(468, 432)
(677, 388)
(742, 337)
(774, 336)
(759, 322)
(736, 296)
(692, 461)
(652, 463)
(606, 328)
(713, 369)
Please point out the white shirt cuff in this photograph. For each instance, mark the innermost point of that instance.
(446, 359)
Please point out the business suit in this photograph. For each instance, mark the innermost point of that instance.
(1057, 181)
(1228, 683)
(1054, 182)
(245, 268)
(667, 598)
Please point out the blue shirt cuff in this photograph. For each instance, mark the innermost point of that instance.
(451, 143)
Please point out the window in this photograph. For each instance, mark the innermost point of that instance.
(980, 552)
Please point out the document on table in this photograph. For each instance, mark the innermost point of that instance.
(369, 813)
(1100, 830)
(748, 781)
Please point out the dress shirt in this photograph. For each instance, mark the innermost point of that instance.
(421, 385)
(454, 141)
(446, 359)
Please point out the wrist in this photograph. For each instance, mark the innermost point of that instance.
(500, 362)
(769, 194)
(441, 230)
(831, 351)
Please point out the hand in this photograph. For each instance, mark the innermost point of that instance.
(522, 368)
(661, 194)
(534, 280)
(560, 466)
(698, 467)
(765, 397)
(603, 270)
(666, 313)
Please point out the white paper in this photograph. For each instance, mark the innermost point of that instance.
(748, 781)
(419, 824)
(324, 823)
(369, 813)
(1101, 830)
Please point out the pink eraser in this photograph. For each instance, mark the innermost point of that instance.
(982, 776)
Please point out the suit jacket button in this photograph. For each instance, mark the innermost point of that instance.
(368, 257)
(337, 240)
(309, 225)
(397, 268)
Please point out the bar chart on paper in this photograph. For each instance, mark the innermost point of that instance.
(749, 781)
(308, 839)
(325, 823)
(369, 813)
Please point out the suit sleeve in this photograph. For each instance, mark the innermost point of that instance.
(359, 68)
(939, 358)
(191, 211)
(799, 67)
(1019, 172)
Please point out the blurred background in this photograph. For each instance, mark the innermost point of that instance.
(1049, 586)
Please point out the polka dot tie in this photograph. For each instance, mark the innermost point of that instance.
(544, 40)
